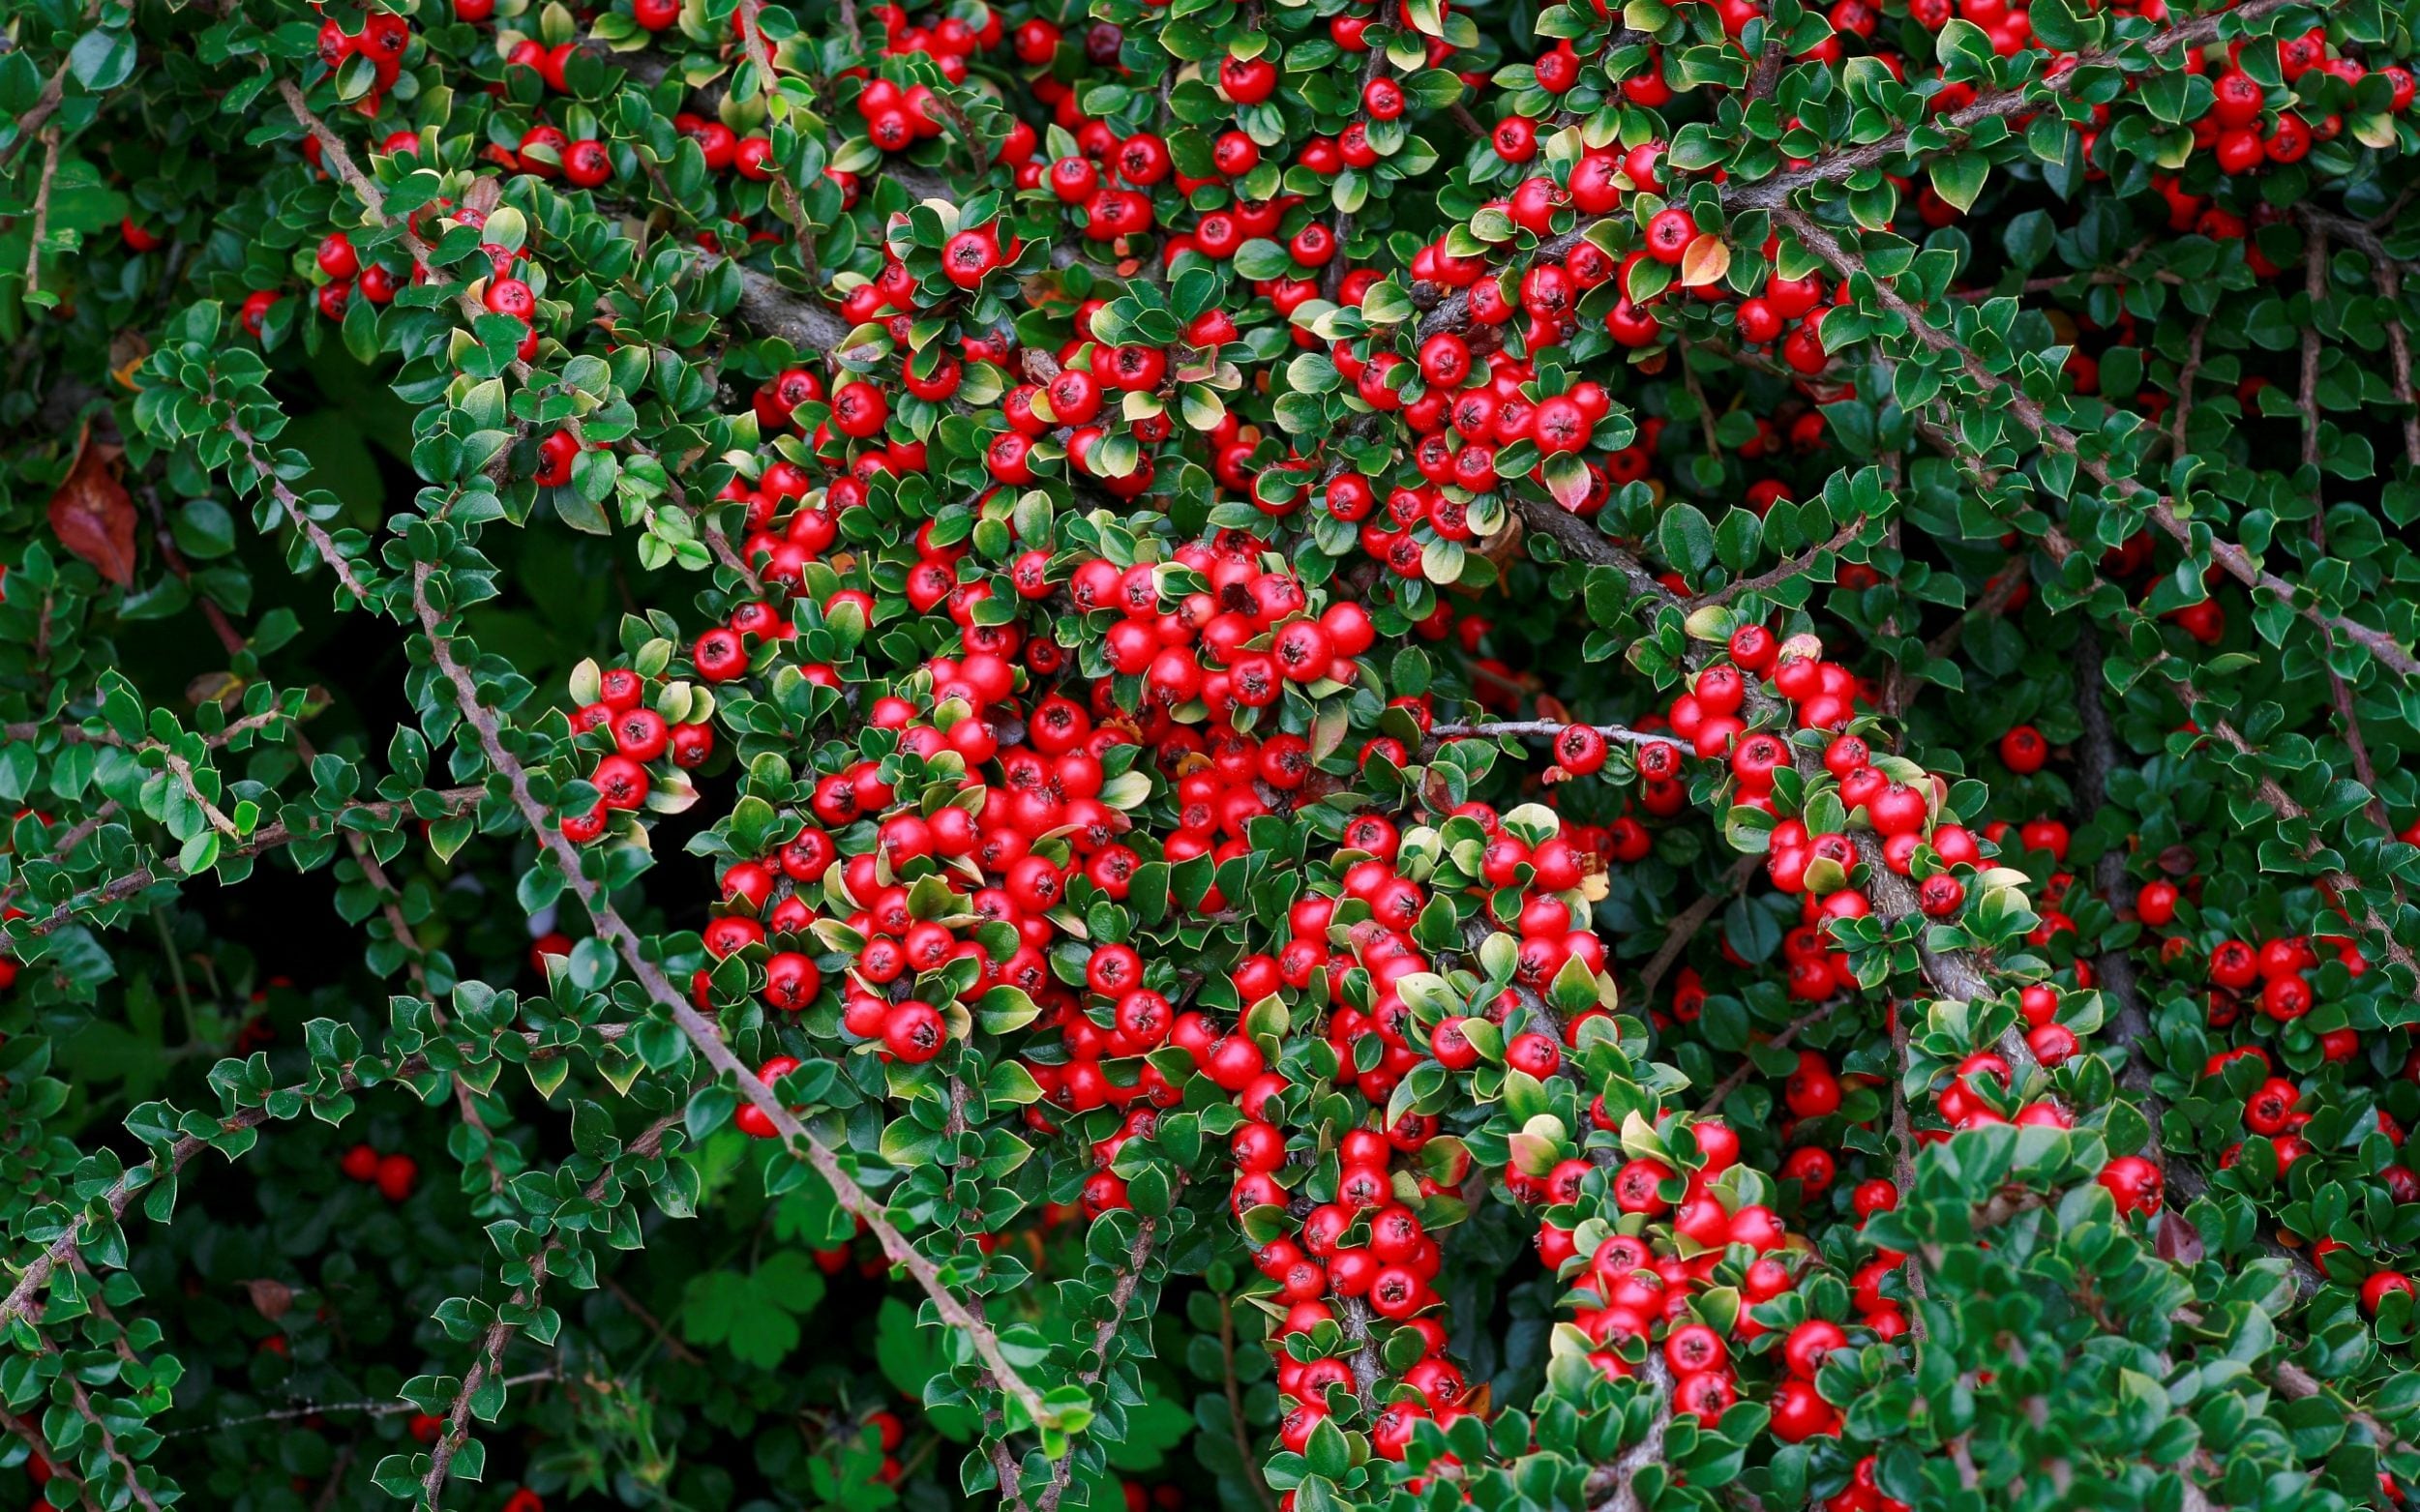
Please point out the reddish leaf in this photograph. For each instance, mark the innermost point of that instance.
(271, 1299)
(2179, 1240)
(91, 514)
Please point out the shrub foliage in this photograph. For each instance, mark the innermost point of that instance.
(1295, 753)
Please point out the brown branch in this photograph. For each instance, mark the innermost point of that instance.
(1773, 193)
(82, 735)
(25, 1429)
(2057, 438)
(1903, 1157)
(491, 1358)
(800, 319)
(751, 36)
(1768, 65)
(1545, 729)
(1121, 1298)
(1617, 1483)
(1996, 594)
(269, 836)
(1775, 577)
(323, 544)
(19, 1302)
(2097, 760)
(1783, 1039)
(2185, 377)
(1253, 1478)
(655, 1325)
(2341, 888)
(486, 726)
(1332, 283)
(82, 1402)
(2307, 402)
(41, 211)
(2386, 272)
(1688, 921)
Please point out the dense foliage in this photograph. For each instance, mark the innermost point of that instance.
(1286, 753)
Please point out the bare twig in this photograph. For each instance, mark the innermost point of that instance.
(41, 210)
(1783, 1039)
(1688, 921)
(1796, 566)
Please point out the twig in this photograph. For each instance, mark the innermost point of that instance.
(1617, 1483)
(2057, 438)
(121, 1193)
(1121, 1298)
(1903, 1159)
(321, 543)
(2185, 376)
(41, 211)
(1996, 594)
(389, 1407)
(2339, 886)
(1773, 193)
(33, 1439)
(1547, 729)
(269, 836)
(751, 36)
(655, 1325)
(46, 104)
(1688, 921)
(2307, 402)
(1775, 577)
(499, 1335)
(702, 1034)
(2097, 760)
(1254, 1481)
(1783, 1039)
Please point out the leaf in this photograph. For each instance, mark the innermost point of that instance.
(91, 514)
(1705, 261)
(101, 59)
(1959, 177)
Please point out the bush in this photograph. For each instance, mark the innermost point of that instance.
(1278, 755)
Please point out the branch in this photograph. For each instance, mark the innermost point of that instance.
(269, 836)
(2333, 882)
(1996, 593)
(2307, 403)
(19, 1302)
(2097, 760)
(2387, 274)
(1783, 1039)
(2057, 438)
(1616, 1483)
(800, 319)
(25, 1429)
(1547, 730)
(42, 212)
(1773, 193)
(321, 543)
(491, 1358)
(46, 104)
(751, 36)
(1775, 577)
(1688, 921)
(610, 925)
(1121, 1298)
(1253, 1478)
